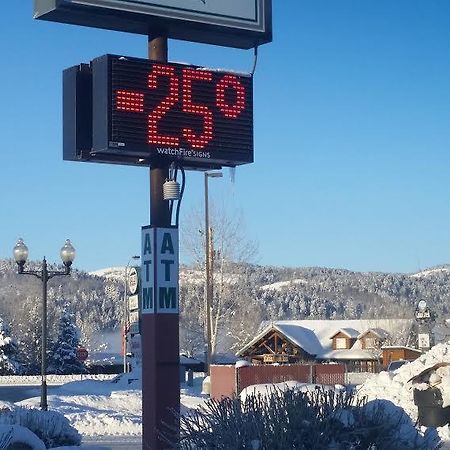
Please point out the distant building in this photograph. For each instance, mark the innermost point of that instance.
(356, 343)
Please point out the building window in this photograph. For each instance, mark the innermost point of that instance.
(341, 343)
(370, 342)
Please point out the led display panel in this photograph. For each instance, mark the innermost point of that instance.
(171, 112)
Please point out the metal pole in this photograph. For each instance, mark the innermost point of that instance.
(207, 281)
(160, 332)
(125, 316)
(44, 405)
(210, 295)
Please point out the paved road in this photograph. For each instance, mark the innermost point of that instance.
(113, 443)
(15, 393)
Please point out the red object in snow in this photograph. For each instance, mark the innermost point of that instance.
(82, 354)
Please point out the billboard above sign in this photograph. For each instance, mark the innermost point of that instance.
(232, 23)
(135, 111)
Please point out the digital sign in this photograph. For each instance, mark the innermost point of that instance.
(232, 23)
(171, 112)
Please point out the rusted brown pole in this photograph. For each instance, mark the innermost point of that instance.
(160, 332)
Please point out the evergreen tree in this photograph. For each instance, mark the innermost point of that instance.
(8, 352)
(63, 359)
(29, 335)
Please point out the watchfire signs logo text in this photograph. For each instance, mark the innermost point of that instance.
(159, 270)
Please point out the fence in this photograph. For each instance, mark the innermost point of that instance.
(227, 381)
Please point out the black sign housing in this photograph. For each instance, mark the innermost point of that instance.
(145, 111)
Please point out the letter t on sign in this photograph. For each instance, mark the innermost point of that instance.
(148, 270)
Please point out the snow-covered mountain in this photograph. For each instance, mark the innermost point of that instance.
(250, 295)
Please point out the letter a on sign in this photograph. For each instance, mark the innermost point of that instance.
(148, 271)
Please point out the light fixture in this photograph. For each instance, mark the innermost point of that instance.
(67, 253)
(422, 305)
(20, 252)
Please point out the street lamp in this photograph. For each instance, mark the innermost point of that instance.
(125, 312)
(67, 254)
(208, 271)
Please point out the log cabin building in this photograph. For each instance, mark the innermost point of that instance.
(356, 343)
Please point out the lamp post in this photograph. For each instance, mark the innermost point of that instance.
(67, 253)
(208, 271)
(125, 312)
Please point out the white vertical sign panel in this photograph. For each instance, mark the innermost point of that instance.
(148, 271)
(133, 302)
(424, 340)
(167, 270)
(159, 271)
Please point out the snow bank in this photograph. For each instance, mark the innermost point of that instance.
(398, 388)
(108, 408)
(51, 379)
(15, 434)
(267, 388)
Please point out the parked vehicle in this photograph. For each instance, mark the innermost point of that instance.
(394, 365)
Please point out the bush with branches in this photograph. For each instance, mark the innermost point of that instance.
(291, 419)
(49, 426)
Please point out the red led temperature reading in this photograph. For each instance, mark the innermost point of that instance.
(230, 82)
(130, 101)
(175, 111)
(134, 102)
(203, 139)
(164, 106)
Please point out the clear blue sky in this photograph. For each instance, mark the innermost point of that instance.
(352, 140)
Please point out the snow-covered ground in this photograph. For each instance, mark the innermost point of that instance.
(398, 387)
(105, 408)
(99, 408)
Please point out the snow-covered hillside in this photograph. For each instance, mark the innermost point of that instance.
(282, 284)
(115, 273)
(430, 272)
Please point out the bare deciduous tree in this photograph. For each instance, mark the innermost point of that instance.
(232, 251)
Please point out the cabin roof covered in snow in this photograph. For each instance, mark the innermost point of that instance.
(315, 336)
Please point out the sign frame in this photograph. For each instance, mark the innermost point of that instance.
(95, 129)
(239, 23)
(160, 270)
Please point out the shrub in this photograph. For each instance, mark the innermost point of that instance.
(50, 426)
(279, 420)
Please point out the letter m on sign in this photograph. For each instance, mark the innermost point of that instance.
(167, 298)
(148, 270)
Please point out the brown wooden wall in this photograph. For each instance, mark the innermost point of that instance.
(260, 374)
(394, 354)
(329, 374)
(227, 381)
(223, 381)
